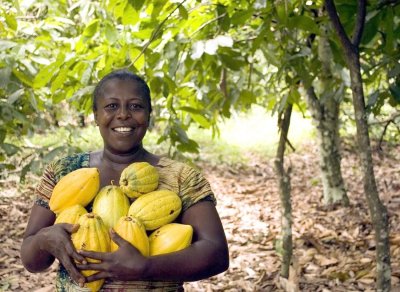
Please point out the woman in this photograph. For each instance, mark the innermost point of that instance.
(122, 108)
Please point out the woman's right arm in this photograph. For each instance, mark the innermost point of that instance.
(43, 242)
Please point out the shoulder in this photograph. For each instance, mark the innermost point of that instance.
(174, 166)
(64, 165)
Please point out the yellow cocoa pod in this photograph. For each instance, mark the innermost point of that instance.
(71, 214)
(92, 235)
(170, 237)
(156, 208)
(138, 178)
(111, 204)
(77, 187)
(133, 231)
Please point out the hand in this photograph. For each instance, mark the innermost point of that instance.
(125, 264)
(56, 240)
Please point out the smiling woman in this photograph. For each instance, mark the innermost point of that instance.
(122, 108)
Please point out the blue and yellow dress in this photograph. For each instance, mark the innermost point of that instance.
(178, 177)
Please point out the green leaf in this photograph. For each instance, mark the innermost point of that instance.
(130, 15)
(7, 166)
(395, 91)
(47, 72)
(183, 12)
(224, 20)
(200, 119)
(4, 45)
(241, 17)
(15, 96)
(137, 4)
(10, 149)
(232, 62)
(3, 134)
(22, 77)
(50, 156)
(372, 98)
(197, 115)
(371, 28)
(304, 23)
(5, 74)
(119, 8)
(25, 171)
(247, 97)
(11, 21)
(137, 58)
(191, 146)
(61, 77)
(91, 28)
(111, 33)
(143, 34)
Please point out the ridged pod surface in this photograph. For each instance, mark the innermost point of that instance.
(71, 214)
(138, 178)
(133, 231)
(169, 238)
(111, 204)
(156, 208)
(92, 235)
(77, 187)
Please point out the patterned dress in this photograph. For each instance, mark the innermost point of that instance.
(178, 177)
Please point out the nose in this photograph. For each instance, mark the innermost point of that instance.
(123, 113)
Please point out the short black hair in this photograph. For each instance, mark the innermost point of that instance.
(121, 75)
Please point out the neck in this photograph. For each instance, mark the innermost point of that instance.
(116, 159)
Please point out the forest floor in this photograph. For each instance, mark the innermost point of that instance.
(334, 249)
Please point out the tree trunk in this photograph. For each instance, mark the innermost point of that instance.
(284, 192)
(325, 113)
(326, 117)
(378, 212)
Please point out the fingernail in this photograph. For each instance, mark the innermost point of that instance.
(81, 283)
(84, 262)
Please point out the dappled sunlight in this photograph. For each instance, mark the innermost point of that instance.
(258, 129)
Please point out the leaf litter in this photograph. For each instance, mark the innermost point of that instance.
(333, 248)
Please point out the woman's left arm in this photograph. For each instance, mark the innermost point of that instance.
(207, 255)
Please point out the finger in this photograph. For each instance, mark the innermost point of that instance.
(93, 254)
(91, 266)
(98, 276)
(117, 238)
(72, 270)
(75, 255)
(70, 228)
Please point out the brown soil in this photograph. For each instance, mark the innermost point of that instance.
(334, 248)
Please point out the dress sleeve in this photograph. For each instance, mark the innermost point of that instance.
(46, 185)
(194, 188)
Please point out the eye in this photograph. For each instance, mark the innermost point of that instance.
(135, 106)
(111, 106)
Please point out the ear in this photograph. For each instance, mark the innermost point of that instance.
(95, 117)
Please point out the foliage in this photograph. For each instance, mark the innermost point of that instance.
(202, 59)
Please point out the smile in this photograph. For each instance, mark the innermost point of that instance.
(123, 129)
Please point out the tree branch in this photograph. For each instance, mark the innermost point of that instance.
(314, 102)
(156, 31)
(359, 27)
(343, 38)
(388, 3)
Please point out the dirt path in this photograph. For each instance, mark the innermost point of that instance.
(334, 249)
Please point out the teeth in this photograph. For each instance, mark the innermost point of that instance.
(123, 129)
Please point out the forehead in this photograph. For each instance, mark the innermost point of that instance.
(122, 86)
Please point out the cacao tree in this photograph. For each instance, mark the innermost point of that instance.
(379, 216)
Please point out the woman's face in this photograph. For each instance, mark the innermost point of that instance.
(122, 115)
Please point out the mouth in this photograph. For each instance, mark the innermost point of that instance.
(123, 130)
